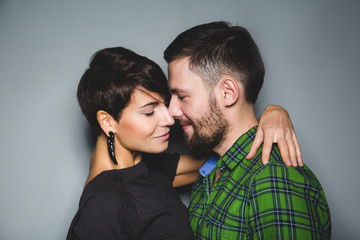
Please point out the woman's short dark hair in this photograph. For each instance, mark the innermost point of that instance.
(216, 49)
(109, 82)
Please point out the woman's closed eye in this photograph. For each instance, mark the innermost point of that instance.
(149, 113)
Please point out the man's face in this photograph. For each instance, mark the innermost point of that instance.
(195, 107)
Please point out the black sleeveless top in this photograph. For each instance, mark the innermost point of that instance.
(133, 203)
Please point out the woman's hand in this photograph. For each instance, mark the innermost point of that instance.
(275, 126)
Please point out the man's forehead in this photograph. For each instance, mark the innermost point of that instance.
(179, 84)
(181, 78)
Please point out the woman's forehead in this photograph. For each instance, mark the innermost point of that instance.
(142, 94)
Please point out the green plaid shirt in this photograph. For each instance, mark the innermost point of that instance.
(252, 201)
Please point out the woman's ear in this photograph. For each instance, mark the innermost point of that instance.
(106, 121)
(229, 89)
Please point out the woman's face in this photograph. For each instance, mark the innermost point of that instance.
(145, 123)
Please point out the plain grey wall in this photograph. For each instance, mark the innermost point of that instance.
(311, 52)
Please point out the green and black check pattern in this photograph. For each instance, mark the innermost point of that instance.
(252, 201)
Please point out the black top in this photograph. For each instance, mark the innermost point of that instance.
(133, 203)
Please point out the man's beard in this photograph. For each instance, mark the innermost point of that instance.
(209, 131)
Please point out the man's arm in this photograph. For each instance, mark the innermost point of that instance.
(275, 127)
(285, 204)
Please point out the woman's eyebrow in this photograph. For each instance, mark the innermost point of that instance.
(153, 97)
(150, 104)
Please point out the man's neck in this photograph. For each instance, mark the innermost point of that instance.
(239, 123)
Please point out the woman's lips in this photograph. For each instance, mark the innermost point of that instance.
(163, 137)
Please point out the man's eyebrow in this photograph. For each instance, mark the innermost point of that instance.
(176, 90)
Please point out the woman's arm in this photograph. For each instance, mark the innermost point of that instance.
(275, 126)
(187, 170)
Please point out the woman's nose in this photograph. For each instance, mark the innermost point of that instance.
(167, 120)
(174, 109)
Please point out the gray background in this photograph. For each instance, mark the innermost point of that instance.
(311, 52)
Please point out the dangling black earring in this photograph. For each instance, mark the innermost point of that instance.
(111, 147)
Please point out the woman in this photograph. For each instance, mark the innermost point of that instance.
(129, 191)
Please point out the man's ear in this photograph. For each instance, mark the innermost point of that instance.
(229, 89)
(106, 121)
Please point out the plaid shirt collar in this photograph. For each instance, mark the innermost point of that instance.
(238, 150)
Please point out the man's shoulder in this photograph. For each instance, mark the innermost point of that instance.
(278, 173)
(292, 194)
(277, 169)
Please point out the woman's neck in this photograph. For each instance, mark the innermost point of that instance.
(101, 161)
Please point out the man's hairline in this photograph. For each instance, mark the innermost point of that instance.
(191, 67)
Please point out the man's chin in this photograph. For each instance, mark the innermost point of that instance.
(187, 138)
(198, 150)
(188, 141)
(188, 131)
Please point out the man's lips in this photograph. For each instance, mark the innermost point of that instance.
(185, 124)
(184, 127)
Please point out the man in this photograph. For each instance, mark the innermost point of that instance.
(215, 75)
